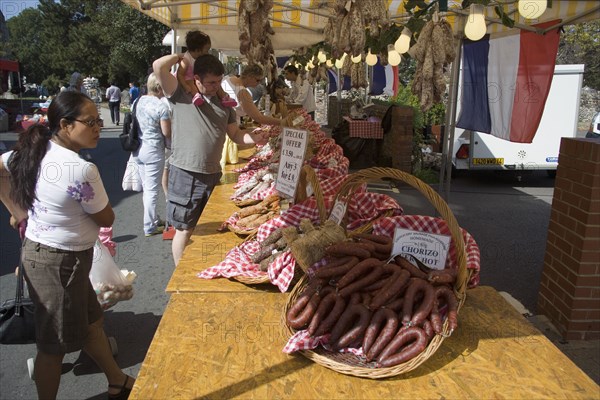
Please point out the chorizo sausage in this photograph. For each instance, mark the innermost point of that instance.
(428, 328)
(448, 295)
(406, 345)
(435, 318)
(370, 247)
(447, 275)
(407, 265)
(418, 285)
(325, 306)
(300, 314)
(337, 267)
(381, 244)
(332, 317)
(357, 285)
(362, 268)
(350, 327)
(342, 249)
(395, 305)
(392, 287)
(382, 329)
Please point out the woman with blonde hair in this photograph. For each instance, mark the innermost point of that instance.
(155, 125)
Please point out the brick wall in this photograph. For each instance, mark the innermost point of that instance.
(570, 286)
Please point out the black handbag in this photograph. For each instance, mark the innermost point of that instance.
(17, 323)
(130, 137)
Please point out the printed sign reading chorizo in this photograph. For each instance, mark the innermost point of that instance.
(293, 146)
(429, 248)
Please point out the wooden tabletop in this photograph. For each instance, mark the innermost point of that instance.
(219, 345)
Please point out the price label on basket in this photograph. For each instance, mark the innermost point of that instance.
(293, 148)
(338, 211)
(429, 248)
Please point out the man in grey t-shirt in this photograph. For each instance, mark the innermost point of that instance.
(197, 143)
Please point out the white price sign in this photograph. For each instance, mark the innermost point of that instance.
(429, 248)
(293, 147)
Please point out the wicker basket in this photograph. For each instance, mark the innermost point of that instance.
(351, 364)
(307, 176)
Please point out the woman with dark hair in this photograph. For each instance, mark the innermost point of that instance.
(66, 204)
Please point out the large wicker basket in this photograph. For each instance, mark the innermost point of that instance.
(308, 176)
(351, 364)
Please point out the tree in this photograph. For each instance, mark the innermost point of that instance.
(580, 44)
(105, 39)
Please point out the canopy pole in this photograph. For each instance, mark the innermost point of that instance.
(450, 125)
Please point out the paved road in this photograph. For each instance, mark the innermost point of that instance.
(507, 217)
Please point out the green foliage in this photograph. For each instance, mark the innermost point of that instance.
(580, 44)
(405, 97)
(53, 84)
(102, 38)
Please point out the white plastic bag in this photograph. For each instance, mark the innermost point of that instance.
(131, 177)
(109, 282)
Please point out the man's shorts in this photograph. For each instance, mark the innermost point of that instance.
(187, 196)
(65, 302)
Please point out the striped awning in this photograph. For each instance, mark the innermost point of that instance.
(300, 23)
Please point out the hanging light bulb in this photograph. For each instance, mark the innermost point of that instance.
(322, 57)
(403, 42)
(371, 59)
(329, 63)
(393, 56)
(339, 63)
(532, 9)
(475, 28)
(356, 59)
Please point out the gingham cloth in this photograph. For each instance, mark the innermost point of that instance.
(301, 340)
(364, 129)
(363, 207)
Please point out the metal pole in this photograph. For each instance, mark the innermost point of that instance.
(450, 125)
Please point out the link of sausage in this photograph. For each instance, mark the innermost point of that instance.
(302, 311)
(360, 269)
(406, 345)
(407, 265)
(447, 275)
(418, 285)
(379, 239)
(342, 249)
(323, 309)
(382, 329)
(356, 286)
(341, 336)
(390, 290)
(332, 317)
(395, 305)
(374, 287)
(447, 294)
(428, 328)
(383, 248)
(337, 268)
(435, 318)
(369, 246)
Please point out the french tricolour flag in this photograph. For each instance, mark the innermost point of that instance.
(505, 83)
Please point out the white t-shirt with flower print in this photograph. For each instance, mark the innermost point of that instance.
(68, 190)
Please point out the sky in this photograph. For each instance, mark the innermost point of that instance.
(10, 8)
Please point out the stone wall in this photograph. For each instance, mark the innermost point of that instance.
(588, 106)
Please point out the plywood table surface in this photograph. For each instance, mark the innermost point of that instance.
(224, 345)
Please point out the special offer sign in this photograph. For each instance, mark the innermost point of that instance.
(293, 147)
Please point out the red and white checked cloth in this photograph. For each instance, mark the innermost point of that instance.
(364, 129)
(301, 340)
(423, 223)
(363, 208)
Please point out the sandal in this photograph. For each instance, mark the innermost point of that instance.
(124, 390)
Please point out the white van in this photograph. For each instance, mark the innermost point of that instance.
(476, 150)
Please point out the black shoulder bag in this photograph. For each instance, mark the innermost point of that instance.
(130, 137)
(17, 324)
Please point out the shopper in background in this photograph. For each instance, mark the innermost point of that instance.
(113, 95)
(302, 91)
(155, 123)
(134, 92)
(197, 143)
(64, 219)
